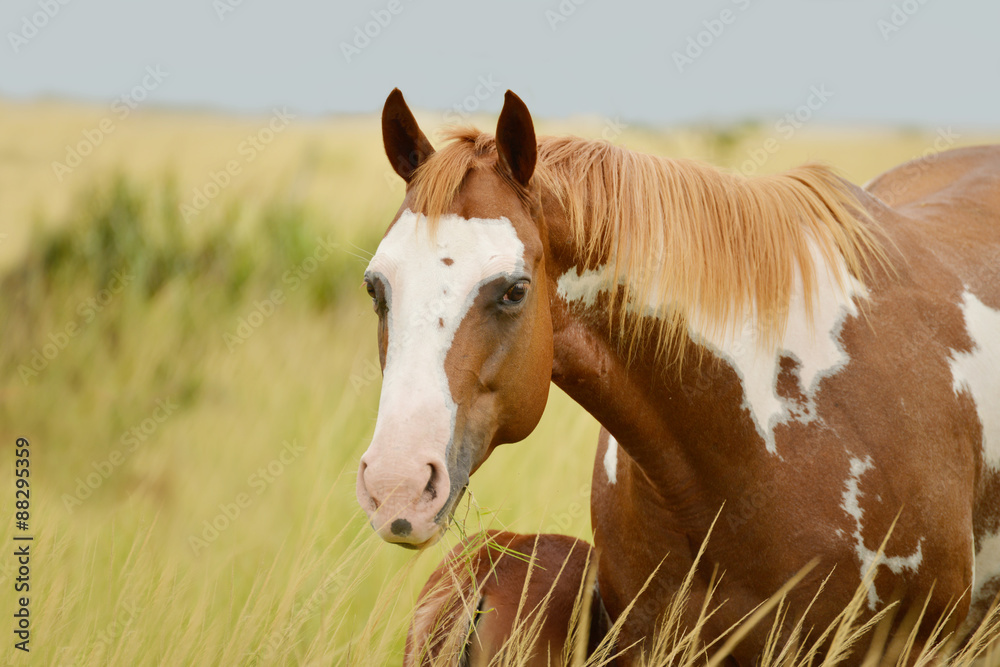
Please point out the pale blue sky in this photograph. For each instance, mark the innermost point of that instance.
(940, 67)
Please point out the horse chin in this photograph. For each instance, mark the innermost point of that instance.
(423, 545)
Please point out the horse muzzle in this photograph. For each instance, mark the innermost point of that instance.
(405, 496)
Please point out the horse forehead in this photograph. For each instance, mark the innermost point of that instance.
(460, 251)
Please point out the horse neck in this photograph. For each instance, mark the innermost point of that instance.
(646, 406)
(672, 415)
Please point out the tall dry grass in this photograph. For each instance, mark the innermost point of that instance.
(193, 488)
(854, 637)
(224, 529)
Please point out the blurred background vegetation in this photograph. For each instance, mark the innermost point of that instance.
(198, 388)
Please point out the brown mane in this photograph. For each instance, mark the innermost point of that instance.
(680, 236)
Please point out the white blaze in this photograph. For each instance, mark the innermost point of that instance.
(430, 285)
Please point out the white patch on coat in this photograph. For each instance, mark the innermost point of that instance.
(978, 372)
(871, 560)
(985, 566)
(813, 342)
(611, 460)
(428, 299)
(583, 287)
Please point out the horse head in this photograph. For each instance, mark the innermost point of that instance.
(464, 329)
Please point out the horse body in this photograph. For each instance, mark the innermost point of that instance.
(902, 426)
(771, 357)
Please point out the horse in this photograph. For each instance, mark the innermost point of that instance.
(799, 361)
(507, 594)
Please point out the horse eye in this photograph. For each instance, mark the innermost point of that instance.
(516, 292)
(373, 293)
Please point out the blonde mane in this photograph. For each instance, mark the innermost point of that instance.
(680, 237)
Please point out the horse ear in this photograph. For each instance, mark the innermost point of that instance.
(405, 145)
(516, 139)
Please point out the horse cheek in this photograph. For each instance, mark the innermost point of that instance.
(527, 388)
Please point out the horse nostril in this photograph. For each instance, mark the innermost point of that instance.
(400, 527)
(376, 503)
(431, 488)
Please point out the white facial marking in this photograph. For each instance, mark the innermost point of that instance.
(611, 460)
(978, 372)
(871, 560)
(812, 342)
(430, 285)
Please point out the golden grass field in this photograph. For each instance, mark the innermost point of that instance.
(197, 393)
